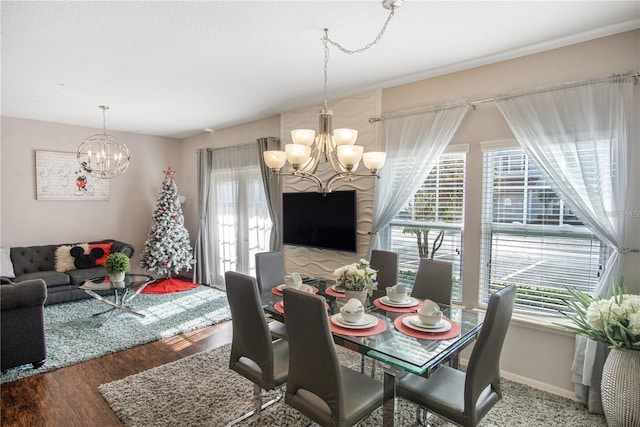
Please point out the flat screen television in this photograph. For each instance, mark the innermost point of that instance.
(320, 221)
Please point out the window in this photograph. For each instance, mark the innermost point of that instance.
(531, 238)
(239, 216)
(432, 222)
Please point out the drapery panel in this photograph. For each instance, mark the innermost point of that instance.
(413, 143)
(240, 224)
(580, 135)
(273, 193)
(202, 268)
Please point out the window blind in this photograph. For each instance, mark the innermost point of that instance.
(434, 215)
(531, 238)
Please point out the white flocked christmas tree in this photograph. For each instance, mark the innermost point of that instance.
(167, 249)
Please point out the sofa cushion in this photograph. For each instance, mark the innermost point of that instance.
(106, 247)
(51, 278)
(32, 259)
(64, 259)
(78, 277)
(6, 266)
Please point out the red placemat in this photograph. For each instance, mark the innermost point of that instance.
(413, 309)
(334, 293)
(278, 292)
(380, 327)
(280, 308)
(451, 333)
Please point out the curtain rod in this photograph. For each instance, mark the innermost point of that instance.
(472, 104)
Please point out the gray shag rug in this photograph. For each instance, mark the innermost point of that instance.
(73, 335)
(201, 391)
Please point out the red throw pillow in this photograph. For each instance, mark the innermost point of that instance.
(106, 247)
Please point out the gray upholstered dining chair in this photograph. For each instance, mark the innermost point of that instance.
(433, 281)
(253, 353)
(318, 386)
(270, 272)
(466, 398)
(386, 263)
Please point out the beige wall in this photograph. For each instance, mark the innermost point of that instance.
(125, 216)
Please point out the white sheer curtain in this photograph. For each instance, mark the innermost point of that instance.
(580, 135)
(413, 143)
(240, 224)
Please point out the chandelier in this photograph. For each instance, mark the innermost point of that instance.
(102, 155)
(335, 146)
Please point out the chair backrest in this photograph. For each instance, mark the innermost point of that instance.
(313, 361)
(387, 265)
(484, 363)
(251, 335)
(433, 281)
(270, 270)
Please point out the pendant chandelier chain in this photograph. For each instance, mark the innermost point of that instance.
(326, 41)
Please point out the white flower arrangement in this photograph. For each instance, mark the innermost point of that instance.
(357, 277)
(614, 321)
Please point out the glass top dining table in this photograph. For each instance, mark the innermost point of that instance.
(398, 350)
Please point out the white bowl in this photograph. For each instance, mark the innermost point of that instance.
(429, 307)
(351, 317)
(395, 297)
(430, 319)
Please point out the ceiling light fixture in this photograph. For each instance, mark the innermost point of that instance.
(102, 155)
(336, 146)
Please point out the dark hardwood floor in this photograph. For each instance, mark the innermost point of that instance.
(69, 396)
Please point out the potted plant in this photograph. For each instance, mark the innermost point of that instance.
(614, 321)
(117, 264)
(358, 280)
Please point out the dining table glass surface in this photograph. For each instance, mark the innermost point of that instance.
(392, 346)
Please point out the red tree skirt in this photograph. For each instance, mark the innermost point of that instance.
(169, 286)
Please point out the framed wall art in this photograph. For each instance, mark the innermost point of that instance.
(60, 177)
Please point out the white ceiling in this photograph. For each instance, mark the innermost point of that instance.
(176, 68)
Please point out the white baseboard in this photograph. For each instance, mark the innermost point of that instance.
(539, 385)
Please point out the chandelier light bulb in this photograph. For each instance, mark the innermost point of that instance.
(345, 136)
(374, 160)
(303, 136)
(350, 155)
(297, 154)
(275, 159)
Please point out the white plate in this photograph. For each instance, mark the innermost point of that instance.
(414, 322)
(281, 287)
(366, 321)
(409, 302)
(334, 287)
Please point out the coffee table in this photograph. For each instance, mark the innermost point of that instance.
(123, 292)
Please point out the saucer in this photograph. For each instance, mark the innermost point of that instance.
(366, 321)
(408, 302)
(414, 322)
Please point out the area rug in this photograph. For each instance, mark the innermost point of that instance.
(169, 286)
(73, 335)
(201, 391)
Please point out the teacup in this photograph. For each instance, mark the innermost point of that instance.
(397, 293)
(352, 311)
(430, 313)
(293, 281)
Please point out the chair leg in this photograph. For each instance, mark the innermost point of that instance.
(258, 405)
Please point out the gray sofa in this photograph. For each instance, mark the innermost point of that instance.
(22, 324)
(38, 262)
